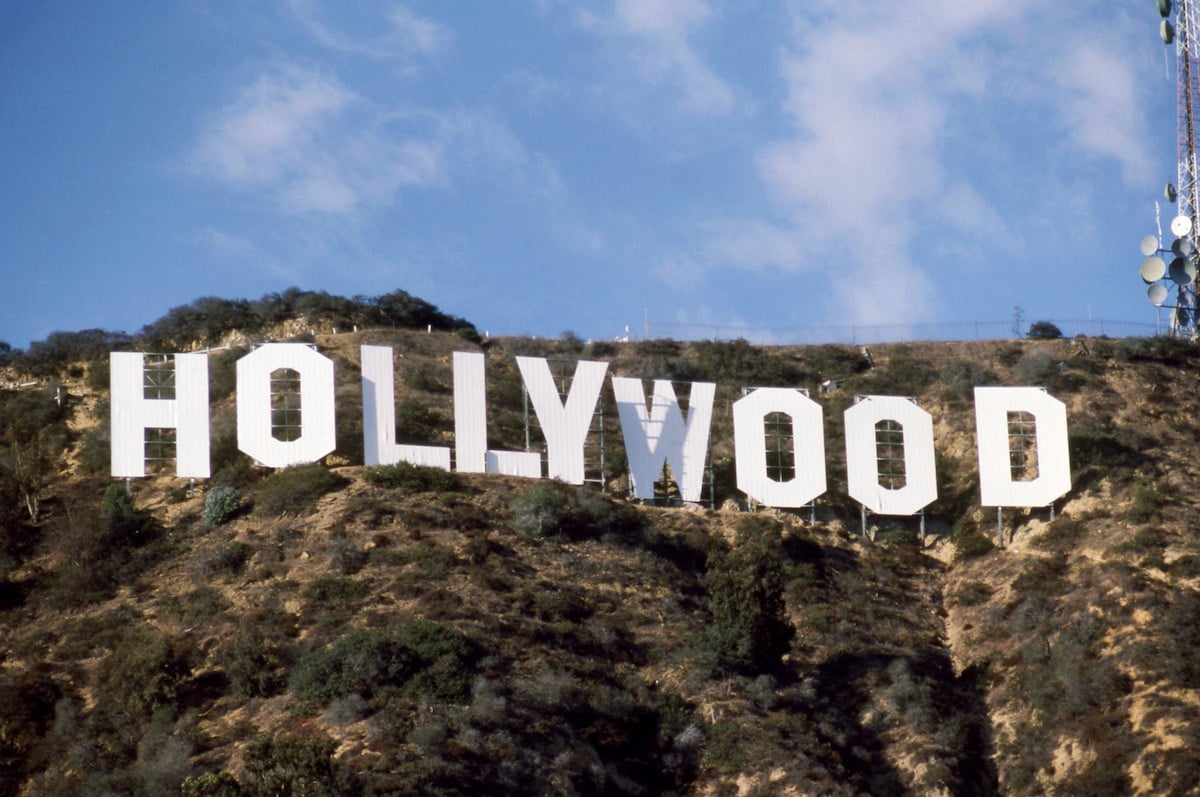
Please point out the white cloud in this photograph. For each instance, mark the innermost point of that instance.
(893, 108)
(753, 244)
(663, 53)
(397, 33)
(1100, 97)
(240, 253)
(313, 145)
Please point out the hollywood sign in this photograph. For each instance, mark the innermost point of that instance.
(656, 432)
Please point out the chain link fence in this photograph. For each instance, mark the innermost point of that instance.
(893, 333)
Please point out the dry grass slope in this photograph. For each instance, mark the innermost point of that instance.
(402, 632)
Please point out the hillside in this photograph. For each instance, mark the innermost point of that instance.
(335, 629)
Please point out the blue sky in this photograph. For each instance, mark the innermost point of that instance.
(546, 165)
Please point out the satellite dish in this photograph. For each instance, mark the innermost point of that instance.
(1169, 193)
(1181, 226)
(1183, 271)
(1149, 245)
(1153, 269)
(1166, 32)
(1182, 247)
(1164, 7)
(1157, 294)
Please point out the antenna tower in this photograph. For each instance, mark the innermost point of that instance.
(1185, 226)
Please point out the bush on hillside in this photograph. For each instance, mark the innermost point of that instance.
(127, 525)
(970, 546)
(903, 374)
(422, 658)
(1166, 350)
(411, 478)
(221, 504)
(297, 488)
(963, 376)
(1044, 330)
(541, 511)
(750, 631)
(252, 662)
(549, 508)
(299, 766)
(141, 675)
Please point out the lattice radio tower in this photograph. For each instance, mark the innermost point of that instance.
(1183, 253)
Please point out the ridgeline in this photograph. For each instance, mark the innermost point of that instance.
(334, 629)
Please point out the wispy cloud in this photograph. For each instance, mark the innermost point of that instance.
(311, 144)
(887, 102)
(1100, 91)
(394, 33)
(663, 52)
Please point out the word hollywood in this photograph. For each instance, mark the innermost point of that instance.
(655, 434)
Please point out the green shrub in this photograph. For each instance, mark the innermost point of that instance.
(126, 524)
(1044, 575)
(176, 495)
(231, 466)
(898, 537)
(421, 657)
(1147, 505)
(252, 663)
(1044, 330)
(723, 750)
(971, 593)
(903, 374)
(229, 559)
(1166, 350)
(221, 504)
(297, 488)
(739, 362)
(201, 605)
(835, 362)
(417, 422)
(411, 478)
(541, 511)
(418, 379)
(972, 545)
(299, 767)
(431, 559)
(211, 784)
(963, 376)
(142, 674)
(1064, 532)
(549, 508)
(333, 590)
(1036, 367)
(1149, 542)
(1186, 566)
(750, 630)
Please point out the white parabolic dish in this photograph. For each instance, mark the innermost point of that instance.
(1153, 269)
(1157, 294)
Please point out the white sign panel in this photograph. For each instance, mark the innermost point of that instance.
(133, 413)
(657, 434)
(318, 431)
(661, 435)
(750, 447)
(996, 484)
(565, 425)
(862, 462)
(470, 425)
(379, 416)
